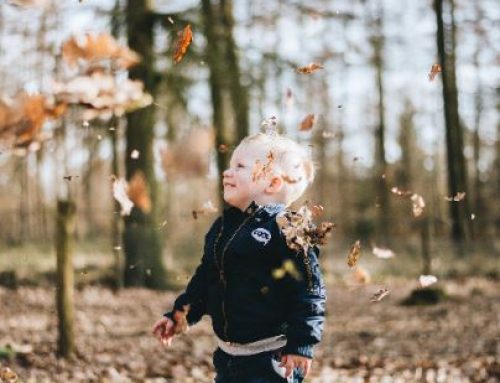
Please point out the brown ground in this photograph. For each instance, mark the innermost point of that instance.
(454, 341)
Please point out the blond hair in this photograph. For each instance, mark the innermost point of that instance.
(287, 159)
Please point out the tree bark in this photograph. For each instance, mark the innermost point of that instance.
(457, 172)
(66, 213)
(141, 241)
(380, 160)
(238, 92)
(214, 59)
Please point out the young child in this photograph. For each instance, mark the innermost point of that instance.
(266, 301)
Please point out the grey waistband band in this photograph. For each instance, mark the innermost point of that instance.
(262, 345)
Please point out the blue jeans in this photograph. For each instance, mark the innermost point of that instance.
(249, 369)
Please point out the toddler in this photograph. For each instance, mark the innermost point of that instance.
(266, 301)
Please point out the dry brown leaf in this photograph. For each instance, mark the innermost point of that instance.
(354, 254)
(263, 170)
(138, 191)
(120, 194)
(300, 231)
(307, 123)
(457, 197)
(380, 294)
(308, 69)
(400, 192)
(184, 39)
(418, 204)
(435, 69)
(207, 208)
(94, 47)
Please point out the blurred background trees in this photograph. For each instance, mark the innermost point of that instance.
(380, 122)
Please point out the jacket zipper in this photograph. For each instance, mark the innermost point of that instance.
(221, 264)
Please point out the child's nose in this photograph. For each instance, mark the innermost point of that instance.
(226, 172)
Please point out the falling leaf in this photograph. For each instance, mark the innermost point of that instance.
(289, 99)
(91, 48)
(307, 123)
(401, 193)
(135, 154)
(328, 134)
(138, 192)
(288, 267)
(120, 194)
(317, 211)
(269, 125)
(383, 253)
(289, 179)
(300, 231)
(223, 148)
(207, 208)
(457, 197)
(262, 171)
(354, 254)
(418, 204)
(380, 294)
(427, 280)
(472, 217)
(184, 39)
(170, 20)
(308, 69)
(435, 69)
(69, 178)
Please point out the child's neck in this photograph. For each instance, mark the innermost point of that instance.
(261, 201)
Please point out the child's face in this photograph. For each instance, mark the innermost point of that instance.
(239, 187)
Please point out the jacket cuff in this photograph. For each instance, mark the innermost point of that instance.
(306, 351)
(170, 315)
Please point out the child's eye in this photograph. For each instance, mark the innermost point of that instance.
(240, 166)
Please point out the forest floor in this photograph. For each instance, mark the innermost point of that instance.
(457, 340)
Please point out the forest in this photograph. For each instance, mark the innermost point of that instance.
(118, 118)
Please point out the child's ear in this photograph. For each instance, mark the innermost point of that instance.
(275, 185)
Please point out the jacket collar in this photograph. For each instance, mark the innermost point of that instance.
(269, 209)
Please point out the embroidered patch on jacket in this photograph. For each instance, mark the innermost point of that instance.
(261, 235)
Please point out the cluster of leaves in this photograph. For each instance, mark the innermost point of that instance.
(22, 118)
(97, 88)
(132, 193)
(300, 232)
(7, 375)
(262, 171)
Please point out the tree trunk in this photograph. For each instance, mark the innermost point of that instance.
(380, 161)
(214, 57)
(238, 92)
(66, 213)
(457, 172)
(141, 240)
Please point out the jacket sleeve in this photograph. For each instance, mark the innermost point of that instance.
(307, 296)
(195, 294)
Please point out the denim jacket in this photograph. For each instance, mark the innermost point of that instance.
(253, 286)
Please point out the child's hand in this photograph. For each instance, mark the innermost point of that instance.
(294, 361)
(164, 331)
